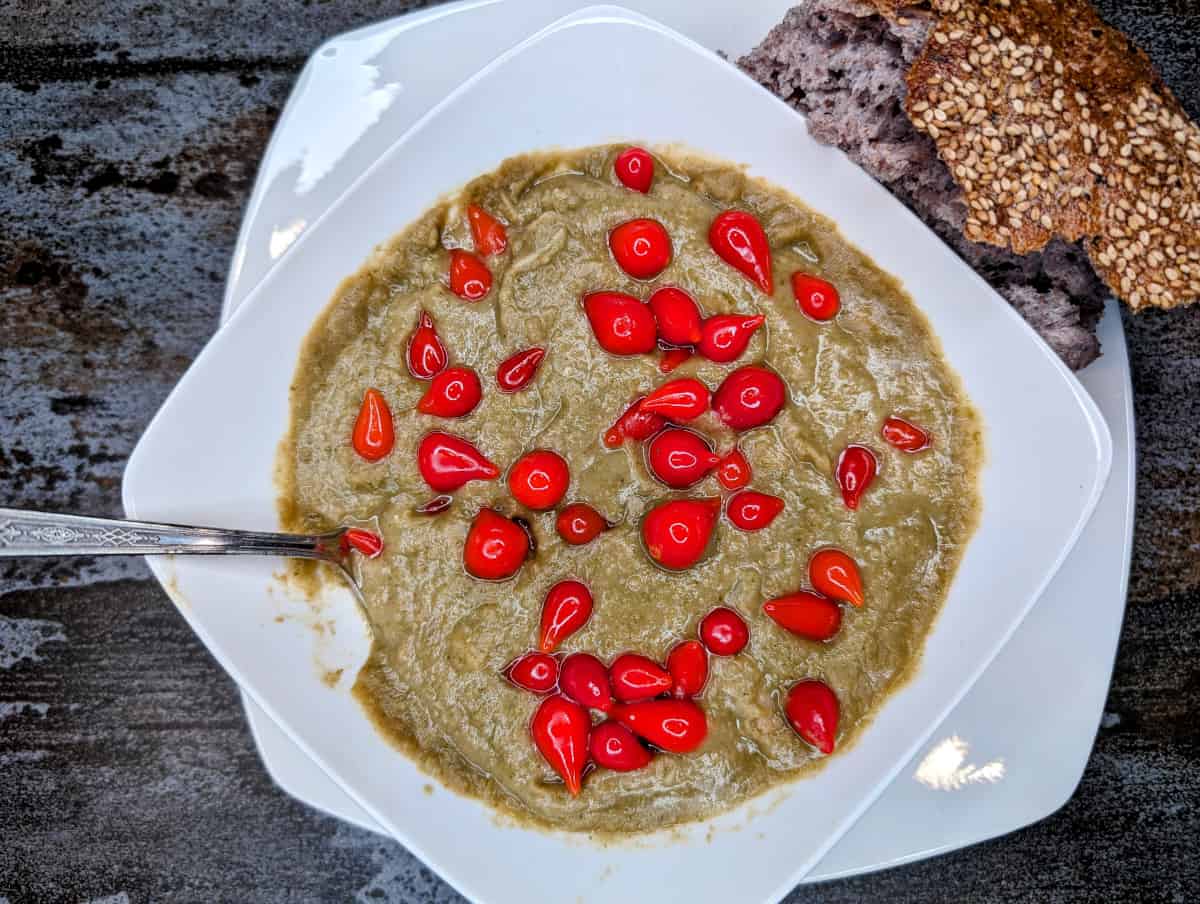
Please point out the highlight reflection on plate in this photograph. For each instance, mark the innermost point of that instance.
(945, 767)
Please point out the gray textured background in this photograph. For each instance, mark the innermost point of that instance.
(129, 136)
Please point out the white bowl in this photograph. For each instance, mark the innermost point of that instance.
(1005, 779)
(208, 457)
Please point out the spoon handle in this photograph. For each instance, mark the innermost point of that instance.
(25, 533)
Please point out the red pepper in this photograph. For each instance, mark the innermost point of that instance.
(749, 397)
(579, 523)
(679, 400)
(734, 471)
(566, 609)
(453, 393)
(727, 335)
(688, 664)
(641, 248)
(817, 298)
(533, 671)
(539, 479)
(425, 354)
(905, 436)
(749, 510)
(364, 541)
(560, 732)
(805, 613)
(496, 547)
(856, 469)
(435, 506)
(489, 233)
(373, 435)
(677, 315)
(635, 424)
(724, 632)
(739, 240)
(635, 677)
(679, 457)
(470, 278)
(446, 462)
(835, 574)
(672, 358)
(635, 168)
(584, 679)
(812, 711)
(615, 747)
(622, 324)
(676, 533)
(516, 372)
(676, 726)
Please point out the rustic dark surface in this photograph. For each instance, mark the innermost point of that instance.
(129, 138)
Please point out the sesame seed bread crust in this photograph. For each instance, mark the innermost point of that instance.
(1054, 124)
(842, 64)
(895, 10)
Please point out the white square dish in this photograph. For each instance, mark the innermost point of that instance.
(209, 454)
(920, 814)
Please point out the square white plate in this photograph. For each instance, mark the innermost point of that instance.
(208, 456)
(989, 779)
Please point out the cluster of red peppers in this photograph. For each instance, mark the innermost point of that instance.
(453, 392)
(642, 702)
(645, 707)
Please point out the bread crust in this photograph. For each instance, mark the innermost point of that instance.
(1054, 124)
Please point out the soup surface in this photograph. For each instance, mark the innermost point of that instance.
(435, 680)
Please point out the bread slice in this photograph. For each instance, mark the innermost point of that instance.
(843, 64)
(1054, 124)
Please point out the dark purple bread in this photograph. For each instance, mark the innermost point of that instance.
(842, 64)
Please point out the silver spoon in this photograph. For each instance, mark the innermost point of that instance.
(25, 533)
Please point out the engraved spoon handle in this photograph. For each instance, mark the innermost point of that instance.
(25, 533)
